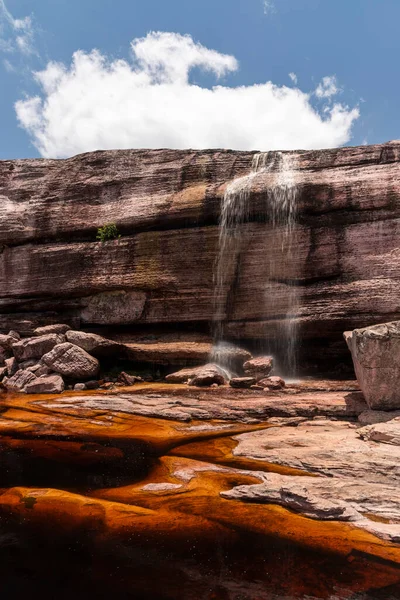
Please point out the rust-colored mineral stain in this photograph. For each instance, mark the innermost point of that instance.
(171, 505)
(200, 494)
(30, 417)
(59, 512)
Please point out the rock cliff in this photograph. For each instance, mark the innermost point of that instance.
(166, 206)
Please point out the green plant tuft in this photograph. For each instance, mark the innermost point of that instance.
(109, 231)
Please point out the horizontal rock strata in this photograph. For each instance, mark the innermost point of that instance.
(166, 206)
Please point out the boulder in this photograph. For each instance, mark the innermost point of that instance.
(19, 381)
(94, 344)
(376, 357)
(126, 379)
(229, 356)
(6, 341)
(94, 384)
(36, 347)
(39, 369)
(11, 366)
(208, 375)
(273, 383)
(384, 433)
(71, 361)
(199, 376)
(57, 328)
(47, 384)
(3, 372)
(259, 368)
(242, 382)
(79, 387)
(182, 376)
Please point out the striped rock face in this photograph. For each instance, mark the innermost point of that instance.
(166, 205)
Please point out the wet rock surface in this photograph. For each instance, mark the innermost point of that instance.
(157, 473)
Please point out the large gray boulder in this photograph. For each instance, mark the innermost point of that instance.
(71, 361)
(35, 347)
(376, 357)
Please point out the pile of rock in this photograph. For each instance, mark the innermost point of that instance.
(53, 356)
(256, 371)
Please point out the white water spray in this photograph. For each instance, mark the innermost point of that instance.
(280, 213)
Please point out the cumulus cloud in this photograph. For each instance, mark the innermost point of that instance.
(328, 87)
(293, 77)
(16, 35)
(150, 102)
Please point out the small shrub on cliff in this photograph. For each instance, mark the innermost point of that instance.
(107, 232)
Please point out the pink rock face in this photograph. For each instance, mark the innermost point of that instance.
(376, 356)
(346, 265)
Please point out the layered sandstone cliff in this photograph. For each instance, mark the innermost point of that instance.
(166, 205)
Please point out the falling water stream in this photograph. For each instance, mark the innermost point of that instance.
(280, 288)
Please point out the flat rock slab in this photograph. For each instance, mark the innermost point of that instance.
(329, 499)
(184, 403)
(328, 448)
(111, 419)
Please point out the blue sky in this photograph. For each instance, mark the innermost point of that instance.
(145, 102)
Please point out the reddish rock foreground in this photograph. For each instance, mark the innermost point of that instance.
(163, 491)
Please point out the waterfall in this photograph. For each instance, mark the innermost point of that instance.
(280, 213)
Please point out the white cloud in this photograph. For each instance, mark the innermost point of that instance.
(269, 7)
(293, 77)
(149, 102)
(328, 87)
(15, 34)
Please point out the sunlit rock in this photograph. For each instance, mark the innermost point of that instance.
(375, 351)
(71, 361)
